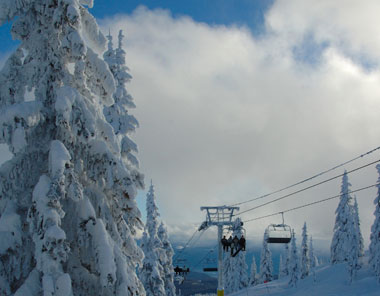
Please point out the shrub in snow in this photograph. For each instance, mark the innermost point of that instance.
(68, 214)
(236, 270)
(344, 223)
(266, 265)
(305, 256)
(374, 246)
(294, 268)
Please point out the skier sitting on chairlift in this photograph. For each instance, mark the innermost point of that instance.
(242, 243)
(235, 244)
(224, 242)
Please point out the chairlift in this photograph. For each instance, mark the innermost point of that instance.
(209, 264)
(279, 233)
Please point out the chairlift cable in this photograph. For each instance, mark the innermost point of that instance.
(204, 257)
(306, 188)
(308, 179)
(186, 245)
(312, 203)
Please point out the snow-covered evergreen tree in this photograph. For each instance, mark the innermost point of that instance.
(358, 232)
(253, 281)
(117, 114)
(294, 268)
(152, 273)
(313, 258)
(374, 246)
(151, 270)
(167, 260)
(266, 265)
(237, 275)
(285, 268)
(342, 238)
(67, 205)
(305, 256)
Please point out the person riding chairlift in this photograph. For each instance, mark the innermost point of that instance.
(235, 244)
(242, 243)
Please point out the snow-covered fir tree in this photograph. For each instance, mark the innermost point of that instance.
(374, 246)
(305, 256)
(237, 276)
(67, 205)
(294, 268)
(358, 232)
(123, 123)
(313, 258)
(266, 265)
(285, 267)
(151, 270)
(167, 260)
(253, 281)
(343, 229)
(152, 273)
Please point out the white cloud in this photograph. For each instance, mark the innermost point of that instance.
(225, 117)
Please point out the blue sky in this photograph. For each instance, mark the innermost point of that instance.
(248, 13)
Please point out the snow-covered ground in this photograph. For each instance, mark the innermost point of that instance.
(330, 281)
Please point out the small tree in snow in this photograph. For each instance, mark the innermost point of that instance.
(285, 267)
(266, 265)
(167, 260)
(237, 276)
(294, 268)
(253, 275)
(313, 258)
(305, 256)
(358, 232)
(343, 229)
(151, 269)
(374, 246)
(152, 273)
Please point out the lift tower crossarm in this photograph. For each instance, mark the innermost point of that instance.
(219, 216)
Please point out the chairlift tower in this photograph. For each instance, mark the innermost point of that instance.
(219, 216)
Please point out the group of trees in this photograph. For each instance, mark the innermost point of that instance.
(68, 215)
(296, 266)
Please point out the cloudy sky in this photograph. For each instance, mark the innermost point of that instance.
(239, 98)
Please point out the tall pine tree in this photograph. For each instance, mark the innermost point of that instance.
(294, 268)
(253, 281)
(313, 258)
(68, 193)
(374, 246)
(344, 221)
(152, 273)
(305, 256)
(266, 265)
(167, 260)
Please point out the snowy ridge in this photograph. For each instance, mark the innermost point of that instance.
(329, 280)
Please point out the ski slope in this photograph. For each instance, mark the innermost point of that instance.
(329, 281)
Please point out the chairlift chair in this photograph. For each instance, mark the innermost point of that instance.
(279, 233)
